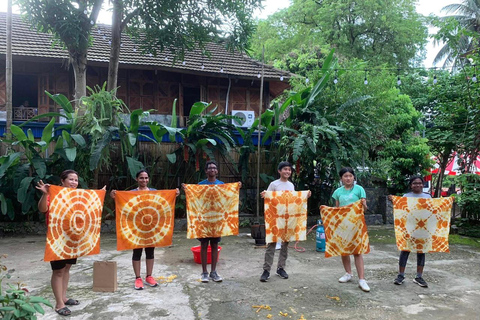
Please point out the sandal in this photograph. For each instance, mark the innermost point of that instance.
(64, 311)
(72, 302)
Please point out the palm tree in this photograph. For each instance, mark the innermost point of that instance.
(467, 14)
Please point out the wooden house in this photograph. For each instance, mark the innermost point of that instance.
(230, 80)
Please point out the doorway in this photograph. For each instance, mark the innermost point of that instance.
(190, 96)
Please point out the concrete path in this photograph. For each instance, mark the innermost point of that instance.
(312, 290)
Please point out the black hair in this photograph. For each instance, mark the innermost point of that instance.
(413, 178)
(64, 174)
(143, 170)
(284, 164)
(345, 170)
(209, 162)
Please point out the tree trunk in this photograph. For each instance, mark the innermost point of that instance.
(79, 63)
(441, 174)
(8, 71)
(115, 48)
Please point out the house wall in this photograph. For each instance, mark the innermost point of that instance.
(140, 88)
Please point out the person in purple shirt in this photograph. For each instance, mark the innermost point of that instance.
(416, 187)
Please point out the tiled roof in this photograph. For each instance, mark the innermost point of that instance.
(28, 42)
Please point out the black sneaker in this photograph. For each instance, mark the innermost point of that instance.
(399, 279)
(281, 273)
(422, 283)
(265, 276)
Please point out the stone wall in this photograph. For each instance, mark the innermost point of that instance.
(376, 202)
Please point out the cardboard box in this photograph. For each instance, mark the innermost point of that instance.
(105, 276)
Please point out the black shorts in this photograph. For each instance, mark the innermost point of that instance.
(212, 240)
(60, 264)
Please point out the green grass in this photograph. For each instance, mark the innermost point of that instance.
(458, 239)
(382, 236)
(387, 236)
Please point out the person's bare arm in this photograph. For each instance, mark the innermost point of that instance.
(364, 202)
(42, 203)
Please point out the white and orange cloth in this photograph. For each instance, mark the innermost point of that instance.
(144, 218)
(75, 217)
(212, 210)
(345, 230)
(285, 216)
(422, 224)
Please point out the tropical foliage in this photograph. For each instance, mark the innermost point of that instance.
(468, 200)
(380, 32)
(459, 31)
(206, 135)
(353, 111)
(15, 302)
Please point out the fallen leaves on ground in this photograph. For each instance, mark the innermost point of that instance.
(163, 279)
(263, 306)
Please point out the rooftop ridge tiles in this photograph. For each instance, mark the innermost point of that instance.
(40, 44)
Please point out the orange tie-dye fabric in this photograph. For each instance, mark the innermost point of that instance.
(75, 217)
(422, 224)
(286, 216)
(345, 230)
(212, 210)
(144, 218)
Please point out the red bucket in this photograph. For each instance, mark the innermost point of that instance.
(196, 254)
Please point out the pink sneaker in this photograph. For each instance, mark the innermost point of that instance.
(149, 280)
(138, 284)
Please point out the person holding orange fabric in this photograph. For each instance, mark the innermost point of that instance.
(282, 184)
(142, 179)
(211, 171)
(416, 187)
(60, 268)
(349, 193)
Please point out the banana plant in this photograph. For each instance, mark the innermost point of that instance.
(307, 135)
(36, 167)
(8, 167)
(207, 131)
(33, 170)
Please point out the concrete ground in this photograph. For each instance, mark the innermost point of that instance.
(312, 290)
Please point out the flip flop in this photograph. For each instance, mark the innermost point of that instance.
(72, 302)
(64, 311)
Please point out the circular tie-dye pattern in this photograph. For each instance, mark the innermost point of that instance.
(74, 223)
(146, 219)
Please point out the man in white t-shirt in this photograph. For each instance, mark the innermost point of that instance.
(282, 184)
